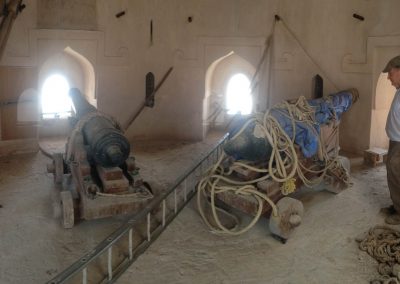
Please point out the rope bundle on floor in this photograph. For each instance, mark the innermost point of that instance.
(383, 244)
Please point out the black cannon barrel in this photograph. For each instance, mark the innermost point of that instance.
(108, 146)
(81, 105)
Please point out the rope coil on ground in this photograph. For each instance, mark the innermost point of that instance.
(383, 244)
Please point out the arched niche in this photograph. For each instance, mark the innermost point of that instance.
(79, 73)
(28, 108)
(384, 93)
(218, 75)
(75, 67)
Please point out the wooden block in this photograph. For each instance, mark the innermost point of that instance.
(269, 187)
(84, 168)
(115, 186)
(245, 174)
(248, 204)
(375, 156)
(113, 173)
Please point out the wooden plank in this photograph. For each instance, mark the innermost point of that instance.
(101, 207)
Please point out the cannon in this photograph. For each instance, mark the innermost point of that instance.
(97, 176)
(269, 156)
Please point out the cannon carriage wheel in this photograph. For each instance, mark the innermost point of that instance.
(290, 212)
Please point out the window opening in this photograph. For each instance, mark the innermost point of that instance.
(238, 97)
(55, 100)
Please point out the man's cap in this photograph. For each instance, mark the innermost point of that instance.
(393, 63)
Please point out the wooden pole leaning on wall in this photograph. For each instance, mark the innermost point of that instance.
(308, 54)
(9, 12)
(151, 97)
(267, 45)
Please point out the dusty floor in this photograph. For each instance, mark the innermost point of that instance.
(34, 247)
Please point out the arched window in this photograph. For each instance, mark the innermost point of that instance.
(238, 97)
(55, 101)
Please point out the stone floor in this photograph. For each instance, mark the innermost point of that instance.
(34, 247)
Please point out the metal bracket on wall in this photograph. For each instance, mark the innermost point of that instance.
(149, 102)
(318, 87)
(151, 32)
(149, 90)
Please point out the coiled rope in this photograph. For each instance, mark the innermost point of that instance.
(282, 167)
(383, 244)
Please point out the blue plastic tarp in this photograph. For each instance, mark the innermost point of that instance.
(306, 135)
(326, 110)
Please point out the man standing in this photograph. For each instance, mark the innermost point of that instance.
(393, 132)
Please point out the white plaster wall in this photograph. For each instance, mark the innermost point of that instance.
(67, 14)
(342, 49)
(121, 53)
(331, 43)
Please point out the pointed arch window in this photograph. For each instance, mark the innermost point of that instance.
(55, 100)
(238, 97)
